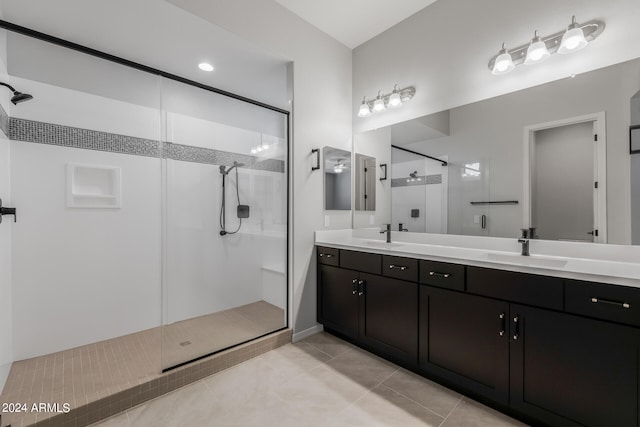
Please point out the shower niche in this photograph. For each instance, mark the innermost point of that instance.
(91, 186)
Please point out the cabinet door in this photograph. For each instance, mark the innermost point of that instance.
(337, 301)
(570, 370)
(389, 319)
(463, 339)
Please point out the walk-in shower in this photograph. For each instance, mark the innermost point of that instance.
(131, 165)
(242, 210)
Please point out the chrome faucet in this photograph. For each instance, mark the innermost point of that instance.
(525, 246)
(388, 231)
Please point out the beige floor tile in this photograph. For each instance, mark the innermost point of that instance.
(470, 413)
(384, 407)
(328, 344)
(362, 367)
(263, 410)
(295, 359)
(439, 399)
(121, 420)
(320, 392)
(188, 406)
(234, 387)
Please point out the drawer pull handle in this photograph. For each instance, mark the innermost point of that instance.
(361, 284)
(400, 267)
(354, 291)
(327, 255)
(435, 273)
(503, 325)
(604, 301)
(516, 324)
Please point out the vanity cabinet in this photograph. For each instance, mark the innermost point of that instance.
(463, 339)
(560, 352)
(379, 312)
(570, 370)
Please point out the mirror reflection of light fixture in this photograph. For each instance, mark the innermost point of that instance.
(392, 100)
(339, 167)
(574, 38)
(378, 104)
(365, 110)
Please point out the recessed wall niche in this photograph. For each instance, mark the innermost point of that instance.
(93, 186)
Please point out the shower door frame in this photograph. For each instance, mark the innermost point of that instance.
(9, 26)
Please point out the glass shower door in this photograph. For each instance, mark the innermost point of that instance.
(225, 223)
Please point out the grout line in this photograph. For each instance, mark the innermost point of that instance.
(417, 403)
(451, 412)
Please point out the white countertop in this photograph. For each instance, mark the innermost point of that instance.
(615, 264)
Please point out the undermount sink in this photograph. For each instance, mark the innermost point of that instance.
(532, 260)
(381, 244)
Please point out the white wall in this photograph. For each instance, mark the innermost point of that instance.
(322, 116)
(6, 312)
(376, 144)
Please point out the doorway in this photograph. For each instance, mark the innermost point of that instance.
(565, 179)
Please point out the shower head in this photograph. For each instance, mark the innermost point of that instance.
(225, 171)
(20, 97)
(17, 96)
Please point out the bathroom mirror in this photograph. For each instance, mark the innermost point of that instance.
(337, 179)
(365, 185)
(481, 189)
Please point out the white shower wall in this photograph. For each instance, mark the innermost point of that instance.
(85, 275)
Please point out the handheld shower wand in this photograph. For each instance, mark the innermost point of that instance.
(243, 210)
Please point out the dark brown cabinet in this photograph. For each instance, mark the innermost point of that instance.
(554, 351)
(464, 340)
(379, 312)
(569, 370)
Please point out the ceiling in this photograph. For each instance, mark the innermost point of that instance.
(353, 22)
(160, 35)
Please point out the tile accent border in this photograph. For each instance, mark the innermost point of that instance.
(426, 180)
(66, 136)
(4, 121)
(111, 405)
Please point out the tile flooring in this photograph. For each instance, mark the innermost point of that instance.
(320, 381)
(95, 372)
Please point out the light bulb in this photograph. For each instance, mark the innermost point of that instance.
(378, 104)
(265, 146)
(204, 66)
(364, 110)
(394, 99)
(259, 148)
(573, 39)
(537, 51)
(503, 62)
(254, 150)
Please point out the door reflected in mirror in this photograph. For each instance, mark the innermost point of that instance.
(337, 179)
(365, 185)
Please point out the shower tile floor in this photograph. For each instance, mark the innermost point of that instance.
(85, 374)
(320, 381)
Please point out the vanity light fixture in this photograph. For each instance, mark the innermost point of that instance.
(383, 101)
(263, 146)
(574, 38)
(339, 167)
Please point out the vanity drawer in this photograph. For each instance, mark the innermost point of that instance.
(328, 256)
(400, 268)
(442, 274)
(531, 289)
(361, 261)
(603, 301)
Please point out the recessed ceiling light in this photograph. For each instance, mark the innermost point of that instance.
(204, 66)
